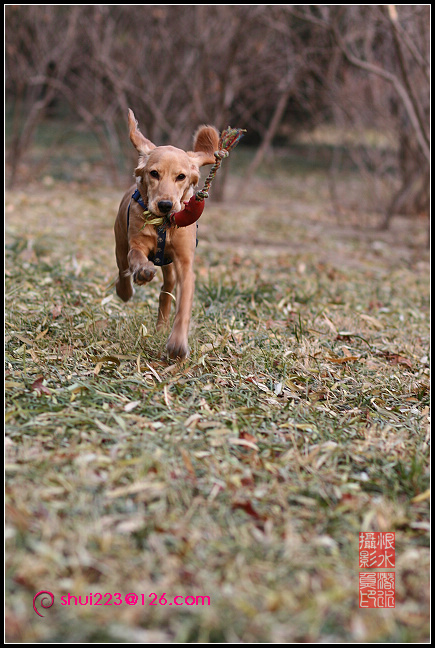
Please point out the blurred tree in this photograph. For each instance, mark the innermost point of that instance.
(381, 81)
(36, 60)
(272, 69)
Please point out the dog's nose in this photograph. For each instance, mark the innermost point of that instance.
(165, 206)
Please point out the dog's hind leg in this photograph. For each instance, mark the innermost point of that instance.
(177, 346)
(166, 295)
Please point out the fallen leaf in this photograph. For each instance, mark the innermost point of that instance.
(244, 442)
(187, 462)
(343, 360)
(144, 331)
(39, 387)
(131, 406)
(373, 321)
(56, 311)
(104, 360)
(154, 372)
(421, 497)
(135, 488)
(247, 437)
(330, 324)
(395, 358)
(248, 508)
(41, 335)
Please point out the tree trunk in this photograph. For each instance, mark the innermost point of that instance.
(270, 133)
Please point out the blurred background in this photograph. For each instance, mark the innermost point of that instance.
(337, 87)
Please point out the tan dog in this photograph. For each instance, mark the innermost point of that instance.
(165, 177)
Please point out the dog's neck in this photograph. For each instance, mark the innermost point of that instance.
(142, 190)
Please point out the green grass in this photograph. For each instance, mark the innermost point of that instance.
(245, 473)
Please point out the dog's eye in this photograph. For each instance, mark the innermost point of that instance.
(181, 176)
(154, 174)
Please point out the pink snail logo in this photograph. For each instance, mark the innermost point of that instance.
(43, 601)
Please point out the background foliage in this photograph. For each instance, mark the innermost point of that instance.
(276, 70)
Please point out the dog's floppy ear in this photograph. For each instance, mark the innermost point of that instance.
(142, 145)
(205, 143)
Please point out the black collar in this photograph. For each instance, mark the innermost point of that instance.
(158, 258)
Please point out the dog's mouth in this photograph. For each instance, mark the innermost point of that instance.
(163, 210)
(158, 217)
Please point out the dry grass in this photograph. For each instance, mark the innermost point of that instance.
(245, 473)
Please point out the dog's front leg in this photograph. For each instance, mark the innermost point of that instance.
(177, 346)
(140, 267)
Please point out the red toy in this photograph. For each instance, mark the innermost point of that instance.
(189, 214)
(194, 208)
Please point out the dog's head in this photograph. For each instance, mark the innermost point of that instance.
(165, 175)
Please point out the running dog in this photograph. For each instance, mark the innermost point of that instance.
(166, 178)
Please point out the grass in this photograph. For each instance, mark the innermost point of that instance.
(245, 473)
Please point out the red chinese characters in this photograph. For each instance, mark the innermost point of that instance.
(377, 549)
(377, 589)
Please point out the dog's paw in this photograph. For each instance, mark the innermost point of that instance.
(124, 289)
(177, 350)
(144, 274)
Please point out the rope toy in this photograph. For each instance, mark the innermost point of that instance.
(194, 207)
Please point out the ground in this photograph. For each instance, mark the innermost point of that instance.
(244, 474)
